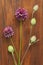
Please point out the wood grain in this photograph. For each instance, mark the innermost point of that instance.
(7, 18)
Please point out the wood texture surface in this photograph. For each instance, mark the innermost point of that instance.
(7, 11)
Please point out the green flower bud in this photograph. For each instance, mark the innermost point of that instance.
(10, 48)
(33, 21)
(33, 39)
(35, 8)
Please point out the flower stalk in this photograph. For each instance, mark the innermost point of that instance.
(27, 47)
(33, 13)
(20, 43)
(14, 48)
(20, 37)
(15, 63)
(27, 50)
(25, 54)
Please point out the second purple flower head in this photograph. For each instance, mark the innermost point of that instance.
(8, 32)
(21, 14)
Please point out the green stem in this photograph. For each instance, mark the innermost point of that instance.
(14, 48)
(33, 13)
(27, 47)
(25, 54)
(14, 58)
(20, 43)
(20, 38)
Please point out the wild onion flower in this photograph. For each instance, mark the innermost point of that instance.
(8, 32)
(21, 14)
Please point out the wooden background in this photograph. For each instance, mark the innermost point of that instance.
(7, 11)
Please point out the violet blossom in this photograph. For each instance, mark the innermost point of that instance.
(8, 32)
(21, 14)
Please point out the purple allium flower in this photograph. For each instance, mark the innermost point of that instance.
(21, 14)
(8, 32)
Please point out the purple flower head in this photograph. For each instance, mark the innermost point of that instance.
(8, 32)
(21, 14)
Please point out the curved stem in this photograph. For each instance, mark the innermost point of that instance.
(29, 41)
(14, 48)
(33, 13)
(27, 47)
(27, 50)
(25, 54)
(14, 58)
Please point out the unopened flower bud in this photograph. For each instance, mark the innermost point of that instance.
(35, 8)
(33, 39)
(10, 48)
(33, 21)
